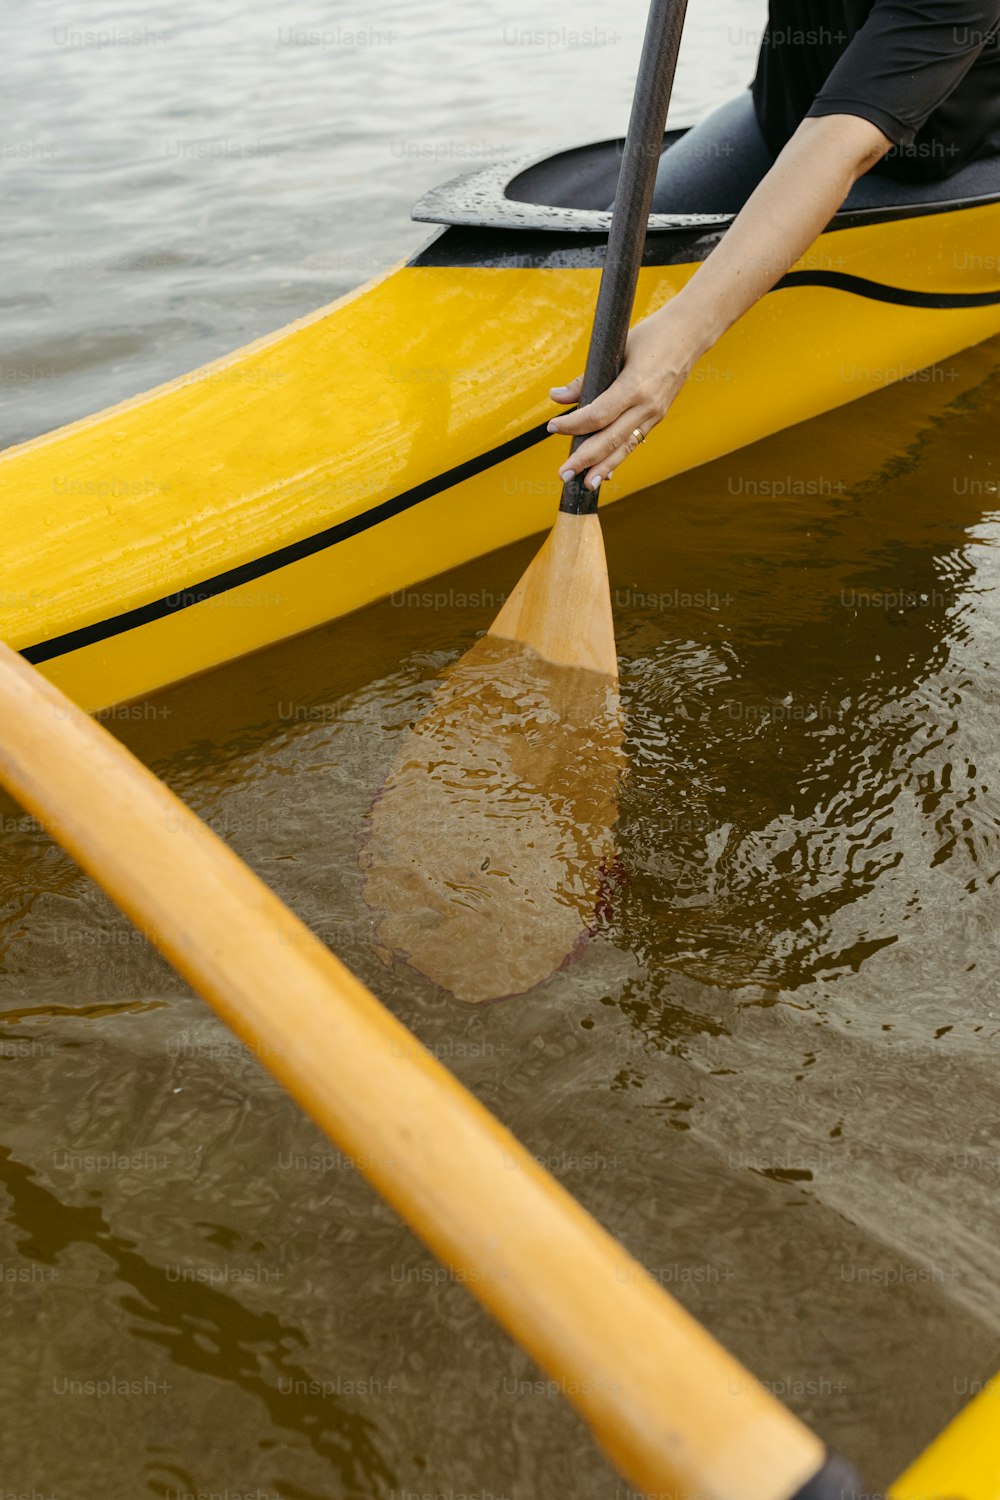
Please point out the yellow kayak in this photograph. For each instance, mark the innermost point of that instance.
(400, 431)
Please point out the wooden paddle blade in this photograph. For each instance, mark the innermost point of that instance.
(562, 606)
(490, 844)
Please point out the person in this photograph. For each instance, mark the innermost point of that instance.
(854, 104)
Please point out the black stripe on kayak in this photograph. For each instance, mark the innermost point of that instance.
(271, 562)
(232, 578)
(880, 292)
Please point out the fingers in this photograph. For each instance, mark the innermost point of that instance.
(608, 425)
(567, 395)
(607, 466)
(601, 454)
(600, 413)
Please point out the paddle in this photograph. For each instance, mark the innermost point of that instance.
(491, 844)
(562, 606)
(675, 1412)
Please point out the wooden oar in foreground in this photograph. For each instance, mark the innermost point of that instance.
(677, 1414)
(491, 843)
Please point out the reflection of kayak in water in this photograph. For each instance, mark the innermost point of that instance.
(402, 430)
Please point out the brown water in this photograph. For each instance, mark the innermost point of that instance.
(772, 1070)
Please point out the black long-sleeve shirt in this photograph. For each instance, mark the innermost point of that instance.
(926, 73)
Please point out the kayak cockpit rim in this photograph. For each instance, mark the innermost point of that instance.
(544, 194)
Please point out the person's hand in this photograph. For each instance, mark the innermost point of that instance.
(658, 358)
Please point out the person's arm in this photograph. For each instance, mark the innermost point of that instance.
(789, 209)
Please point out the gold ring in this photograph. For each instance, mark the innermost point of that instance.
(639, 436)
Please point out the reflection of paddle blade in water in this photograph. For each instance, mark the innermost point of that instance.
(491, 839)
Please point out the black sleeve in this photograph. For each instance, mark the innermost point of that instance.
(905, 61)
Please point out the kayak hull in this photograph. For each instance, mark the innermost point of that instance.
(401, 432)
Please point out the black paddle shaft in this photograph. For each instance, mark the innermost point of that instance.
(629, 220)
